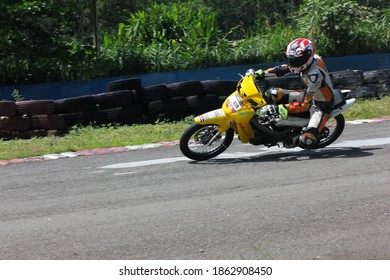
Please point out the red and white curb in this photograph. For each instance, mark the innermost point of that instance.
(112, 150)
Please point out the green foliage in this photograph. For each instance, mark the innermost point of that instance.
(45, 41)
(268, 45)
(248, 13)
(344, 27)
(16, 95)
(183, 25)
(118, 57)
(34, 42)
(176, 36)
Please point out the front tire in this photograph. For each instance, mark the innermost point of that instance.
(331, 131)
(202, 142)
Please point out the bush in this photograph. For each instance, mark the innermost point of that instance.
(344, 27)
(46, 41)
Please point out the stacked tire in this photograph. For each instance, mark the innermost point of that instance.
(164, 102)
(367, 84)
(215, 93)
(110, 107)
(119, 106)
(126, 102)
(19, 119)
(294, 82)
(125, 84)
(178, 100)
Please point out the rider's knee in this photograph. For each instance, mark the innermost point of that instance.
(309, 138)
(275, 95)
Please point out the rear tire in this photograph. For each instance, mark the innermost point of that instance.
(331, 131)
(194, 141)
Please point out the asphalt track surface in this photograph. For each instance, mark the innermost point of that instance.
(249, 203)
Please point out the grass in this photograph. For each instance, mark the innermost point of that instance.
(368, 109)
(86, 138)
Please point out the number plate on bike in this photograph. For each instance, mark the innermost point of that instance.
(234, 102)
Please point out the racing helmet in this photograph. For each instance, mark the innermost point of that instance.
(299, 55)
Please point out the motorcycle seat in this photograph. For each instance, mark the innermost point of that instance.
(338, 98)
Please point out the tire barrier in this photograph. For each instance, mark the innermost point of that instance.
(183, 89)
(16, 123)
(75, 104)
(125, 84)
(127, 102)
(288, 82)
(49, 122)
(108, 100)
(347, 78)
(7, 108)
(152, 93)
(35, 107)
(366, 84)
(220, 88)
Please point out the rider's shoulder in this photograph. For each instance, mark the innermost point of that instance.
(314, 74)
(314, 69)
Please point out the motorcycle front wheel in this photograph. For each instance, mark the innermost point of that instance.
(202, 142)
(331, 131)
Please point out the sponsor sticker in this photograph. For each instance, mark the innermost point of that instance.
(211, 115)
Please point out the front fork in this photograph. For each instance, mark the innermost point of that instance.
(215, 137)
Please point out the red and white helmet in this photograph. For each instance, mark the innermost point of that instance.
(299, 55)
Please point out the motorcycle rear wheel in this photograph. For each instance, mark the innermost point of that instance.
(197, 141)
(332, 130)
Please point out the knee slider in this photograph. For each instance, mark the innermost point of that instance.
(309, 138)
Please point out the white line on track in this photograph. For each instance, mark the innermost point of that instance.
(344, 144)
(145, 162)
(124, 173)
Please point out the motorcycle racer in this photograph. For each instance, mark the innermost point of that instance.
(318, 95)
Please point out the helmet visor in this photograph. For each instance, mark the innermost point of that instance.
(296, 61)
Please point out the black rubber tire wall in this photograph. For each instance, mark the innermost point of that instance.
(133, 114)
(16, 123)
(288, 82)
(7, 108)
(122, 115)
(183, 89)
(152, 93)
(35, 107)
(75, 104)
(125, 84)
(218, 87)
(175, 108)
(49, 122)
(206, 103)
(376, 76)
(347, 78)
(114, 99)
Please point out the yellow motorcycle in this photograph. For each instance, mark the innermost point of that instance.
(246, 113)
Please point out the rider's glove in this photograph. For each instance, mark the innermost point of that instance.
(276, 111)
(272, 110)
(259, 74)
(250, 72)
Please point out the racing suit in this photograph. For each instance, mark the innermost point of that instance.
(318, 98)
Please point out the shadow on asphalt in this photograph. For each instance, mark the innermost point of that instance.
(327, 153)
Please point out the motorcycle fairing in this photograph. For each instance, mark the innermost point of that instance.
(237, 110)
